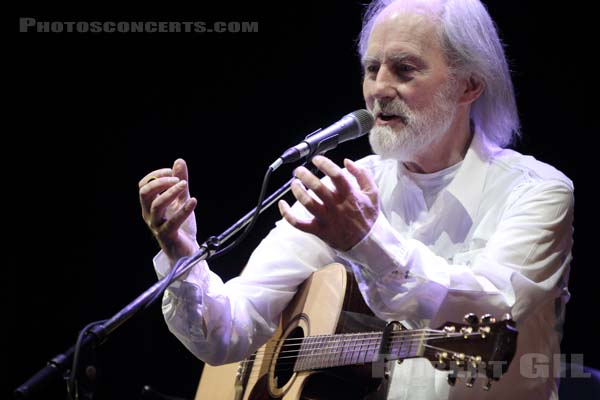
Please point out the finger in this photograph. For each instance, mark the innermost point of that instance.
(313, 183)
(159, 173)
(363, 176)
(171, 226)
(286, 212)
(180, 171)
(161, 203)
(334, 172)
(149, 191)
(314, 206)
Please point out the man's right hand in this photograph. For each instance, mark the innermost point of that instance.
(168, 210)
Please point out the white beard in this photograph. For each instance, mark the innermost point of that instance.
(422, 128)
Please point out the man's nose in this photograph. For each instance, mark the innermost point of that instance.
(385, 84)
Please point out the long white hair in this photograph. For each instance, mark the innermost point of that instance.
(471, 44)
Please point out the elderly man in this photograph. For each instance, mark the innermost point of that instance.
(443, 220)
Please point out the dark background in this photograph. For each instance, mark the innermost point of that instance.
(93, 113)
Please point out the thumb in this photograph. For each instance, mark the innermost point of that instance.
(363, 176)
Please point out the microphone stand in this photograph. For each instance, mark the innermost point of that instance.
(98, 334)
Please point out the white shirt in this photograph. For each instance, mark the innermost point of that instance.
(497, 238)
(431, 184)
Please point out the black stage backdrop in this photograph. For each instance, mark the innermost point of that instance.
(93, 113)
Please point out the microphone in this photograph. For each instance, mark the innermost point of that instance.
(350, 127)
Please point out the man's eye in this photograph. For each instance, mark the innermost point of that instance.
(404, 68)
(371, 69)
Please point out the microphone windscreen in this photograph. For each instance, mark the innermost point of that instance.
(365, 120)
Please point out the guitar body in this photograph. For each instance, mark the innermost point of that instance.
(322, 306)
(330, 346)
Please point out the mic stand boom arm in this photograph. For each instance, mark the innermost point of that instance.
(96, 335)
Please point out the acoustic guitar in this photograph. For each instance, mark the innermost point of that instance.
(326, 348)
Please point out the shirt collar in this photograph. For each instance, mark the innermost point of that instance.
(467, 186)
(468, 183)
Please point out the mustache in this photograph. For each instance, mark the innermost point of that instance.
(392, 107)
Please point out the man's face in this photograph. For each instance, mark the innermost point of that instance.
(407, 85)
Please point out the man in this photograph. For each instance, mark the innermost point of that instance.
(441, 222)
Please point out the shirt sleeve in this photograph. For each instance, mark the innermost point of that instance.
(225, 322)
(524, 263)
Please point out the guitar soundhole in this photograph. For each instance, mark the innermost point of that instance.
(287, 356)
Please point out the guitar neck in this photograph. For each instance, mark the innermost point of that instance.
(326, 351)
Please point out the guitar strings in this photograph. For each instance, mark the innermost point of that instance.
(290, 361)
(355, 342)
(354, 337)
(392, 334)
(366, 345)
(372, 344)
(365, 340)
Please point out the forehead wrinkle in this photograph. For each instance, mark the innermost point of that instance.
(397, 33)
(392, 57)
(395, 53)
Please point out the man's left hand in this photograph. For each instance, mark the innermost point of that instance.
(342, 215)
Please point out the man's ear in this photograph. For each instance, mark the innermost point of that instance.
(472, 88)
